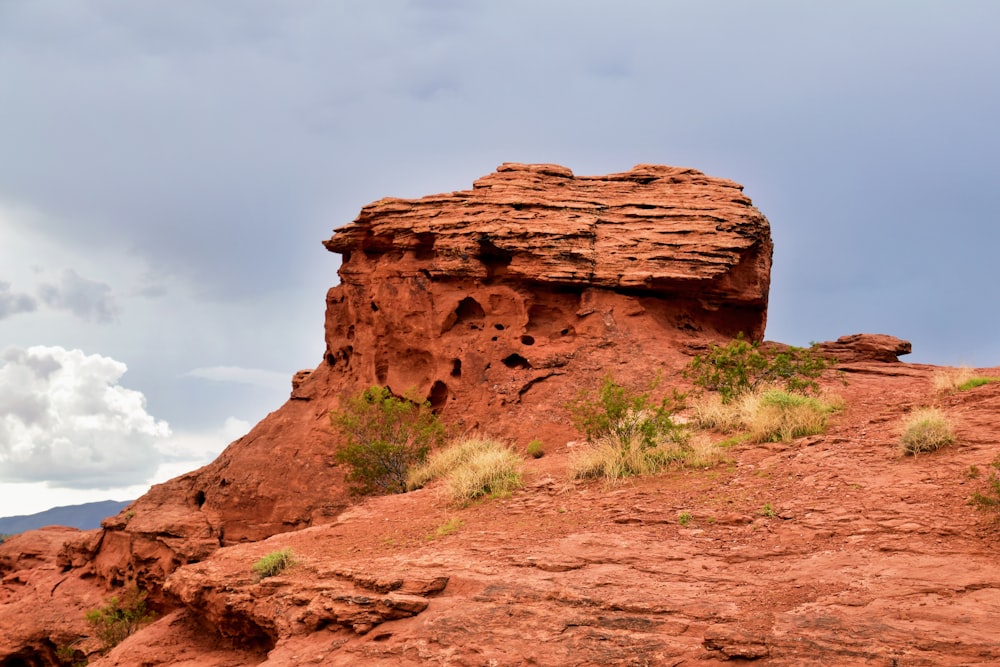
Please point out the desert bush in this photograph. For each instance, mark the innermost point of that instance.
(740, 367)
(535, 449)
(925, 430)
(383, 437)
(628, 433)
(766, 415)
(274, 563)
(623, 414)
(472, 467)
(119, 617)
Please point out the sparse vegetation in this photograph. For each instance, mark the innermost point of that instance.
(274, 563)
(768, 511)
(768, 415)
(384, 436)
(447, 528)
(119, 617)
(988, 498)
(741, 367)
(535, 449)
(684, 518)
(926, 430)
(472, 468)
(623, 414)
(71, 656)
(977, 381)
(628, 433)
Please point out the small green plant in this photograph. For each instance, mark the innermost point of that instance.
(972, 472)
(741, 367)
(473, 467)
(274, 563)
(119, 617)
(768, 511)
(535, 449)
(71, 656)
(383, 437)
(926, 430)
(988, 499)
(447, 528)
(684, 518)
(977, 381)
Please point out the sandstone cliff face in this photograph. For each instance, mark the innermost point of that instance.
(494, 297)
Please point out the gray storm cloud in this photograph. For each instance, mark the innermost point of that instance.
(66, 420)
(12, 303)
(87, 299)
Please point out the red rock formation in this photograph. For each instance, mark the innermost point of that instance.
(502, 300)
(474, 299)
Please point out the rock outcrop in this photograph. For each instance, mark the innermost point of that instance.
(500, 301)
(536, 280)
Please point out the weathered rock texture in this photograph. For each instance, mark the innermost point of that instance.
(536, 280)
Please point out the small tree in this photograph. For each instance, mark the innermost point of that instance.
(384, 436)
(119, 617)
(741, 367)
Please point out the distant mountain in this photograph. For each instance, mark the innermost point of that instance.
(84, 517)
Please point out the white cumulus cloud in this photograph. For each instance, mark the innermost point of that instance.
(65, 420)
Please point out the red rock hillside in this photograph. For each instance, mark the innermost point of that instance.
(498, 304)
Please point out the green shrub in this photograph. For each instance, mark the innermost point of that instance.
(119, 617)
(925, 430)
(624, 414)
(740, 367)
(274, 563)
(535, 449)
(472, 468)
(383, 437)
(628, 433)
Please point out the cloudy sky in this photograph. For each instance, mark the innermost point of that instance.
(169, 168)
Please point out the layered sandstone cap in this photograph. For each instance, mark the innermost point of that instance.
(654, 227)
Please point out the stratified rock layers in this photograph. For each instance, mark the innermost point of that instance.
(475, 297)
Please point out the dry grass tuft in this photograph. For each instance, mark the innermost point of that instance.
(472, 467)
(950, 379)
(926, 430)
(614, 458)
(767, 416)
